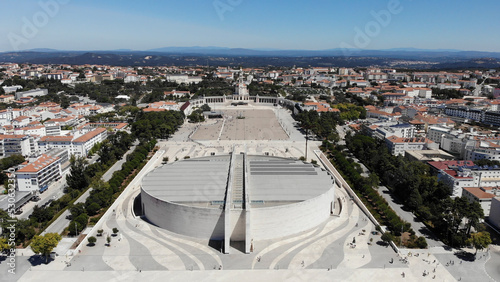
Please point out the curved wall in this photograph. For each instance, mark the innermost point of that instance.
(281, 221)
(196, 222)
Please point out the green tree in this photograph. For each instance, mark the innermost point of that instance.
(480, 240)
(205, 108)
(421, 242)
(108, 239)
(115, 230)
(77, 179)
(77, 209)
(92, 240)
(64, 101)
(386, 237)
(196, 116)
(45, 244)
(4, 244)
(93, 209)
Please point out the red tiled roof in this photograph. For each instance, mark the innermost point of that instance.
(42, 162)
(87, 136)
(479, 192)
(56, 138)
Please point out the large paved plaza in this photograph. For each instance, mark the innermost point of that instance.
(245, 123)
(343, 248)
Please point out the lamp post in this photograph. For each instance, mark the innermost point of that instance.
(307, 137)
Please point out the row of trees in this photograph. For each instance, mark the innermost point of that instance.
(323, 125)
(113, 148)
(446, 94)
(413, 183)
(104, 193)
(159, 125)
(363, 186)
(350, 111)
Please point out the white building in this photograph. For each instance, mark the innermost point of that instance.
(184, 78)
(478, 148)
(17, 144)
(38, 130)
(52, 128)
(465, 112)
(436, 133)
(11, 89)
(399, 145)
(402, 130)
(494, 215)
(482, 195)
(10, 114)
(460, 174)
(82, 145)
(37, 176)
(59, 142)
(31, 93)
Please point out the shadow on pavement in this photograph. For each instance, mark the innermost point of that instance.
(38, 260)
(464, 255)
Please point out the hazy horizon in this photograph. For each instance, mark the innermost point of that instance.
(294, 25)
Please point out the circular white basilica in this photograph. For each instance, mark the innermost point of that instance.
(237, 197)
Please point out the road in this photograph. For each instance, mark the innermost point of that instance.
(62, 222)
(54, 192)
(419, 228)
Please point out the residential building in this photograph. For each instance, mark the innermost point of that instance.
(482, 195)
(47, 143)
(428, 155)
(403, 130)
(82, 145)
(31, 93)
(464, 112)
(460, 174)
(38, 175)
(52, 128)
(399, 145)
(494, 215)
(492, 118)
(16, 144)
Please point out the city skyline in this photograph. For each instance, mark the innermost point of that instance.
(92, 25)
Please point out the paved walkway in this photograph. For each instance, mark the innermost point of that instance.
(419, 228)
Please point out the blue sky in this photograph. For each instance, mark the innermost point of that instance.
(292, 24)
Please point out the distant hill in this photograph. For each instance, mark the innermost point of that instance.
(396, 58)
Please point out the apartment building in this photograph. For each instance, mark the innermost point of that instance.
(38, 175)
(17, 144)
(460, 174)
(59, 142)
(482, 195)
(82, 145)
(399, 145)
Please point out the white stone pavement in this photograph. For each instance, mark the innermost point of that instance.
(174, 252)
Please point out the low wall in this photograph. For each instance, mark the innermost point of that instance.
(182, 219)
(338, 178)
(285, 220)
